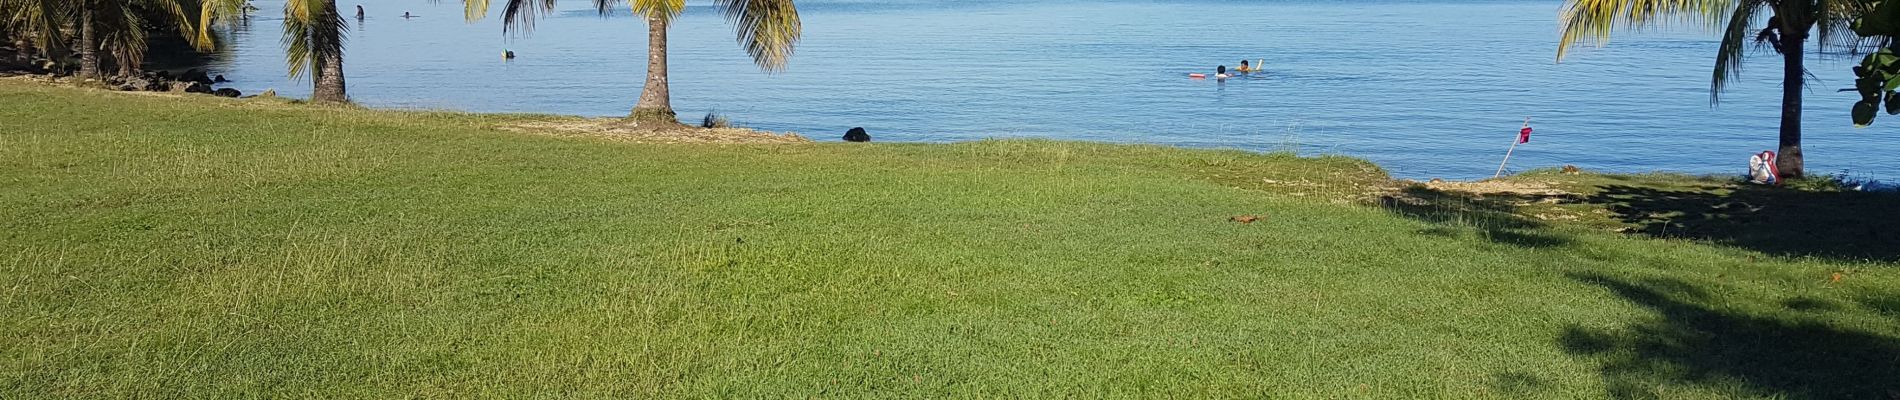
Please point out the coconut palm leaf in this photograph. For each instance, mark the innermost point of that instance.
(767, 29)
(662, 9)
(1595, 20)
(122, 26)
(121, 33)
(312, 29)
(517, 16)
(1735, 36)
(39, 20)
(213, 13)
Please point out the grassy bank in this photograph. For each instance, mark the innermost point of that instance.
(201, 247)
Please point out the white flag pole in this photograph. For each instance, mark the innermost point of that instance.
(1507, 153)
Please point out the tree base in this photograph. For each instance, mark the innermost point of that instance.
(655, 117)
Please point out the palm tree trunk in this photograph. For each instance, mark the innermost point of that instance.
(656, 104)
(1793, 74)
(88, 44)
(328, 76)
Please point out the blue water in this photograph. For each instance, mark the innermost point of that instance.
(1425, 88)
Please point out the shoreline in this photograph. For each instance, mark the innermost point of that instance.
(616, 129)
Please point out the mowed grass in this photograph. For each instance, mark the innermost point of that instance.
(211, 248)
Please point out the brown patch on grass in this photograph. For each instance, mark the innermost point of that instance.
(621, 130)
(1498, 187)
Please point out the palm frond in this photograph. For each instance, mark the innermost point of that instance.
(40, 20)
(662, 9)
(121, 33)
(517, 16)
(176, 16)
(1596, 19)
(213, 13)
(312, 29)
(606, 7)
(1728, 55)
(1834, 24)
(768, 30)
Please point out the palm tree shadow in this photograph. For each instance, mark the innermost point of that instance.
(1748, 355)
(1840, 225)
(1493, 216)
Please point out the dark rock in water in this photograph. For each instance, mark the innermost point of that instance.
(227, 92)
(194, 75)
(142, 83)
(857, 135)
(190, 87)
(219, 79)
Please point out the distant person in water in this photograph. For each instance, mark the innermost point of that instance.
(407, 15)
(1220, 72)
(359, 11)
(1244, 68)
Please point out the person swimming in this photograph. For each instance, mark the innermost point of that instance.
(359, 11)
(1244, 68)
(1220, 72)
(407, 15)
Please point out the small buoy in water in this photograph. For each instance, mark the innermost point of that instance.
(507, 54)
(1197, 76)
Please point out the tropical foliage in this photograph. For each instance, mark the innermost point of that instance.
(116, 27)
(1783, 26)
(314, 34)
(1878, 74)
(767, 29)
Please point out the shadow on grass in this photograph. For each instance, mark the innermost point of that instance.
(1493, 217)
(1784, 222)
(1690, 344)
(1889, 305)
(1519, 384)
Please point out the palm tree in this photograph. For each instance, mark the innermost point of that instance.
(35, 23)
(767, 29)
(1785, 30)
(314, 32)
(119, 28)
(116, 26)
(313, 40)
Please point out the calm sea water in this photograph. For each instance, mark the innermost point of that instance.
(1424, 88)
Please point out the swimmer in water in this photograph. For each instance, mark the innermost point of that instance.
(359, 11)
(406, 15)
(1244, 68)
(1220, 72)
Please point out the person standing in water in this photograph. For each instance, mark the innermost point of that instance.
(1220, 72)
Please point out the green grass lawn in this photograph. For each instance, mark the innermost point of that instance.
(161, 247)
